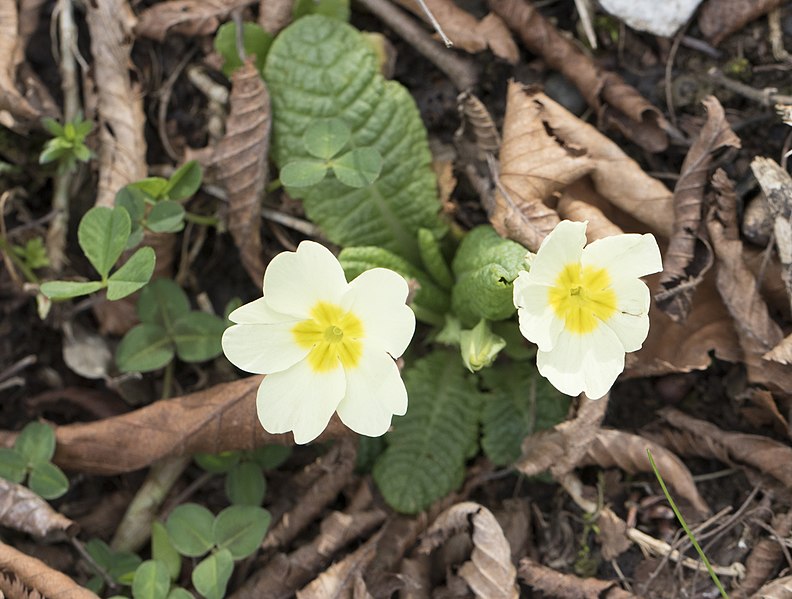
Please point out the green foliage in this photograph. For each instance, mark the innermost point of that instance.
(190, 529)
(211, 576)
(245, 484)
(319, 68)
(255, 41)
(168, 328)
(151, 581)
(479, 346)
(240, 529)
(119, 565)
(519, 403)
(163, 550)
(433, 260)
(30, 457)
(485, 267)
(33, 253)
(103, 234)
(428, 447)
(67, 145)
(335, 9)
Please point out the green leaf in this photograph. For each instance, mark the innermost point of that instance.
(153, 188)
(241, 529)
(133, 200)
(427, 450)
(190, 529)
(369, 449)
(217, 463)
(318, 68)
(53, 127)
(120, 565)
(103, 234)
(359, 167)
(520, 402)
(255, 40)
(166, 216)
(180, 593)
(48, 480)
(162, 302)
(335, 9)
(145, 348)
(210, 577)
(303, 173)
(132, 275)
(135, 237)
(13, 466)
(151, 581)
(485, 266)
(197, 336)
(163, 550)
(66, 289)
(245, 484)
(36, 443)
(326, 138)
(433, 260)
(183, 183)
(269, 457)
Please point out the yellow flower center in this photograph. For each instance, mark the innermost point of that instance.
(582, 296)
(333, 337)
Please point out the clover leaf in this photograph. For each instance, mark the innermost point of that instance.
(30, 457)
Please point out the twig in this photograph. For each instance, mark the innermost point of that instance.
(584, 12)
(766, 97)
(435, 24)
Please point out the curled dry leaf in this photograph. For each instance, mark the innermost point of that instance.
(490, 572)
(10, 56)
(579, 202)
(186, 17)
(475, 116)
(617, 103)
(718, 19)
(555, 584)
(707, 440)
(38, 577)
(628, 452)
(689, 257)
(221, 418)
(241, 161)
(765, 558)
(274, 15)
(468, 32)
(780, 588)
(343, 579)
(122, 146)
(21, 509)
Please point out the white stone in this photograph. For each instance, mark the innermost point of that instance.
(663, 17)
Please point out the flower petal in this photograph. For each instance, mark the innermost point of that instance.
(299, 400)
(631, 320)
(258, 312)
(586, 363)
(262, 348)
(377, 298)
(538, 322)
(562, 246)
(374, 393)
(629, 255)
(295, 281)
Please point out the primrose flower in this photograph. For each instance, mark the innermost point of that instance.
(586, 307)
(325, 345)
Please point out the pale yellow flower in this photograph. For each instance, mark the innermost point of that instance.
(585, 307)
(325, 345)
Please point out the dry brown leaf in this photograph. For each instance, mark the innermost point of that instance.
(780, 588)
(489, 572)
(706, 439)
(342, 580)
(122, 146)
(37, 576)
(628, 452)
(616, 102)
(533, 166)
(575, 203)
(765, 558)
(689, 257)
(782, 352)
(185, 17)
(612, 535)
(555, 584)
(468, 32)
(475, 117)
(221, 418)
(21, 509)
(274, 15)
(10, 50)
(718, 19)
(241, 161)
(763, 411)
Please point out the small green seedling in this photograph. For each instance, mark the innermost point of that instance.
(67, 145)
(120, 566)
(335, 9)
(255, 40)
(234, 534)
(33, 254)
(153, 202)
(168, 327)
(324, 140)
(103, 235)
(30, 458)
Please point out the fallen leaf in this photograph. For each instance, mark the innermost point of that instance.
(21, 509)
(718, 19)
(85, 352)
(765, 557)
(342, 580)
(274, 15)
(781, 588)
(552, 583)
(241, 161)
(489, 572)
(575, 203)
(782, 352)
(688, 256)
(38, 577)
(185, 17)
(10, 56)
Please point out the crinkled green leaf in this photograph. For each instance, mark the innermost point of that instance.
(519, 403)
(241, 529)
(13, 466)
(66, 289)
(369, 449)
(151, 581)
(303, 173)
(132, 275)
(359, 167)
(163, 550)
(144, 348)
(190, 529)
(485, 266)
(430, 301)
(255, 40)
(102, 235)
(210, 577)
(245, 484)
(162, 302)
(321, 68)
(197, 336)
(335, 9)
(326, 138)
(36, 443)
(433, 260)
(184, 182)
(428, 447)
(48, 480)
(166, 216)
